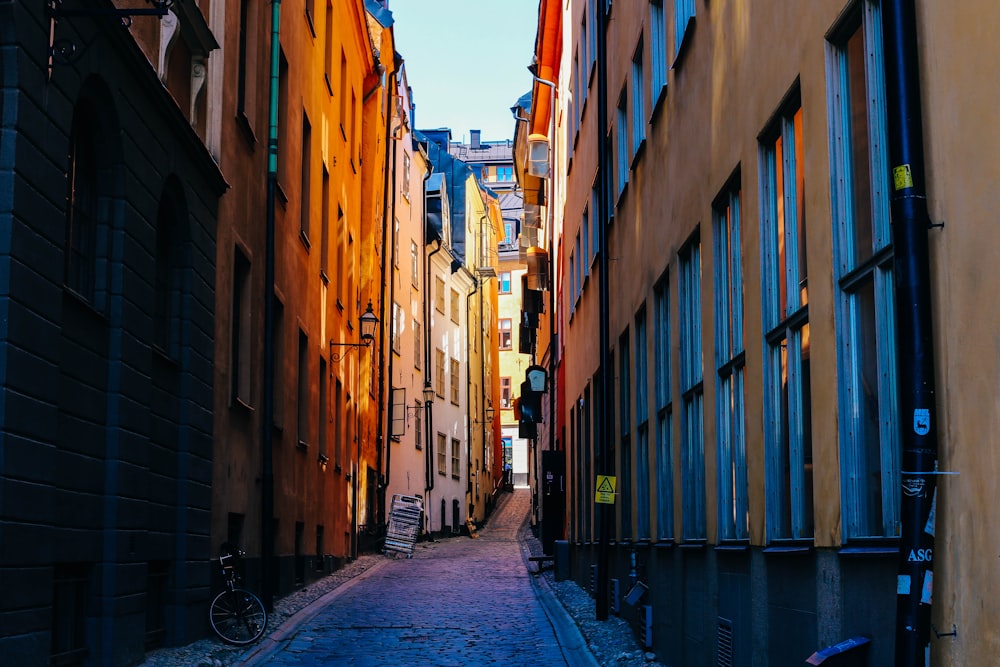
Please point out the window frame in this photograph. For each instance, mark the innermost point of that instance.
(854, 274)
(730, 363)
(692, 392)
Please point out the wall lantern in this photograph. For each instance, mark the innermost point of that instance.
(368, 322)
(428, 393)
(538, 155)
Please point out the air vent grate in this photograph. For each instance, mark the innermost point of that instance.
(725, 646)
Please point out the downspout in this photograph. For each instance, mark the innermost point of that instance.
(267, 417)
(602, 466)
(914, 337)
(384, 471)
(468, 389)
(428, 406)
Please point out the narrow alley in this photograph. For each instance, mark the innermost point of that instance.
(456, 602)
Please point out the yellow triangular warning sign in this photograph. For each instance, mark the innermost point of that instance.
(605, 484)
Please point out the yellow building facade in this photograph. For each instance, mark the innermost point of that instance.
(737, 182)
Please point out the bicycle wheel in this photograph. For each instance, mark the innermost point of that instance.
(238, 617)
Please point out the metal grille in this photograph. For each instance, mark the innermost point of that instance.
(725, 643)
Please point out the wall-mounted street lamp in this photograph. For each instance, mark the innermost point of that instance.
(369, 322)
(489, 416)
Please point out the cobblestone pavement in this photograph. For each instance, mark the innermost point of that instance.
(458, 601)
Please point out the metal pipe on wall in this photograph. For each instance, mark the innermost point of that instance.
(914, 327)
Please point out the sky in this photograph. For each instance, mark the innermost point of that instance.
(466, 61)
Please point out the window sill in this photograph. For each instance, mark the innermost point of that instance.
(305, 240)
(620, 198)
(238, 404)
(685, 43)
(639, 150)
(693, 544)
(789, 549)
(302, 446)
(733, 547)
(884, 550)
(658, 104)
(247, 129)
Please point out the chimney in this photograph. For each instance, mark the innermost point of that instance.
(474, 138)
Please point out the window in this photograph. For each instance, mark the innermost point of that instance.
(572, 282)
(442, 454)
(657, 52)
(324, 232)
(863, 257)
(311, 16)
(642, 428)
(692, 427)
(455, 384)
(456, 458)
(341, 258)
(625, 431)
(82, 223)
(414, 264)
(71, 598)
(622, 157)
(506, 334)
(418, 425)
(305, 180)
(246, 85)
(730, 363)
(585, 242)
(505, 173)
(169, 279)
(505, 393)
(787, 420)
(664, 425)
(439, 294)
(456, 312)
(595, 214)
(328, 48)
(592, 35)
(505, 282)
(683, 18)
(406, 175)
(398, 324)
(278, 331)
(395, 242)
(578, 276)
(439, 372)
(302, 395)
(343, 94)
(638, 103)
(239, 352)
(324, 408)
(418, 346)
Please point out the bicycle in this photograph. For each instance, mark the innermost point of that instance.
(237, 616)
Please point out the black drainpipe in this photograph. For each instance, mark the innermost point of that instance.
(605, 512)
(914, 338)
(469, 346)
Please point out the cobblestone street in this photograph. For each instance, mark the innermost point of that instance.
(456, 602)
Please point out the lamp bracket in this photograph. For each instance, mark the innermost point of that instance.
(64, 51)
